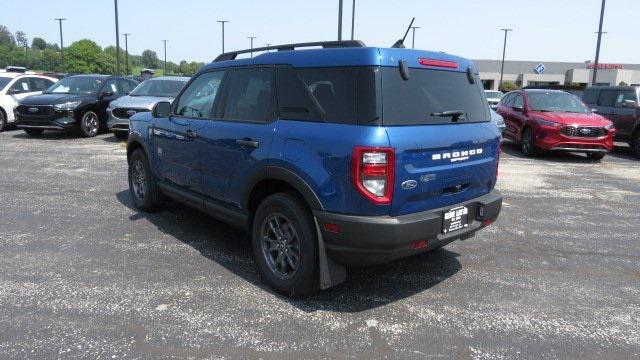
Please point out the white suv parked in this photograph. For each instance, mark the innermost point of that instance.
(15, 87)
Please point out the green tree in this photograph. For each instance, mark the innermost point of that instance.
(85, 56)
(6, 37)
(622, 83)
(149, 59)
(509, 86)
(38, 43)
(21, 39)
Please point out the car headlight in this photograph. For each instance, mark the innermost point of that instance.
(542, 122)
(609, 127)
(67, 106)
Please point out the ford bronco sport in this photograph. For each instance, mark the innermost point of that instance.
(338, 156)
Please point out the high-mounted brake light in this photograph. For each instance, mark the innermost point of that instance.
(372, 173)
(438, 63)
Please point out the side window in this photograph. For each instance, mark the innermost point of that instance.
(198, 100)
(518, 102)
(112, 86)
(125, 86)
(294, 100)
(624, 95)
(507, 100)
(591, 96)
(39, 84)
(20, 86)
(250, 95)
(607, 98)
(334, 90)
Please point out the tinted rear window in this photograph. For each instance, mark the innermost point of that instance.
(427, 92)
(591, 96)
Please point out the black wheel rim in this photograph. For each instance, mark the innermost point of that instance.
(90, 123)
(526, 142)
(280, 246)
(138, 179)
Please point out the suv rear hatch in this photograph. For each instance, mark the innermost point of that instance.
(446, 149)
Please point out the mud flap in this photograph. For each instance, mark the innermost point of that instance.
(331, 274)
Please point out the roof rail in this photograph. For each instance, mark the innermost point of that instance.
(287, 47)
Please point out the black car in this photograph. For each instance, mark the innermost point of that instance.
(621, 105)
(74, 104)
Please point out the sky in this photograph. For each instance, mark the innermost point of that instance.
(544, 30)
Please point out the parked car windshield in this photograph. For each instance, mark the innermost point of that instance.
(431, 96)
(160, 88)
(494, 94)
(556, 101)
(81, 85)
(4, 81)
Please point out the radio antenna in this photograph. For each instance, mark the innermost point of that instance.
(400, 43)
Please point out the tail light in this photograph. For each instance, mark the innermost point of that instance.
(372, 173)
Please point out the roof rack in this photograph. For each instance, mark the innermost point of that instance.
(288, 47)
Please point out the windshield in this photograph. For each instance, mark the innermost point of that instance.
(4, 81)
(556, 101)
(431, 97)
(160, 88)
(494, 94)
(76, 85)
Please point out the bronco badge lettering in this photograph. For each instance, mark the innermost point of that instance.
(457, 155)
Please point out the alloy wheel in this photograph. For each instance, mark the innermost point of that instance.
(280, 246)
(138, 179)
(90, 123)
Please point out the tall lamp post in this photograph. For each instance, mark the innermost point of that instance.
(597, 59)
(223, 22)
(251, 38)
(353, 18)
(115, 4)
(59, 20)
(413, 38)
(164, 66)
(340, 20)
(504, 51)
(126, 52)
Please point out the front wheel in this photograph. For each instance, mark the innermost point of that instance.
(527, 144)
(142, 185)
(89, 124)
(3, 121)
(596, 156)
(285, 245)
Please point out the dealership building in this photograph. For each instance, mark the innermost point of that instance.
(541, 73)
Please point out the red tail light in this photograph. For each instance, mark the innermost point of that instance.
(438, 63)
(372, 173)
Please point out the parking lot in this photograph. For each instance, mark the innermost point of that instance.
(86, 275)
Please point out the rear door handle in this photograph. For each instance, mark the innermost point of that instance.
(191, 134)
(248, 142)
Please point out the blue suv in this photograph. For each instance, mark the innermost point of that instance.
(333, 156)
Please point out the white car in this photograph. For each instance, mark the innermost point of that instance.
(15, 87)
(493, 98)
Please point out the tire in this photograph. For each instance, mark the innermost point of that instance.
(635, 144)
(595, 156)
(283, 228)
(3, 121)
(527, 144)
(121, 135)
(34, 132)
(142, 185)
(89, 124)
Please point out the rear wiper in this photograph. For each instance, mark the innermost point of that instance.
(454, 114)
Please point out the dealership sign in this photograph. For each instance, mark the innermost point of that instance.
(540, 68)
(605, 66)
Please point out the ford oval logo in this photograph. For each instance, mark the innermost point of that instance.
(33, 109)
(131, 112)
(409, 184)
(585, 131)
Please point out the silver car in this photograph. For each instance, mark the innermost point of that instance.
(498, 121)
(493, 98)
(142, 99)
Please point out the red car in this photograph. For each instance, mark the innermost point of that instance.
(552, 120)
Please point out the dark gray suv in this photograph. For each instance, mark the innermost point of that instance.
(621, 105)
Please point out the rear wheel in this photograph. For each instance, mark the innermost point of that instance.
(89, 124)
(3, 121)
(635, 144)
(142, 185)
(595, 156)
(33, 132)
(527, 145)
(285, 245)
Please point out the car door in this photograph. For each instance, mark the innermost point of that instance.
(178, 139)
(625, 117)
(518, 117)
(237, 142)
(506, 111)
(109, 92)
(20, 89)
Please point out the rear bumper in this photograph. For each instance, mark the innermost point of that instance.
(365, 240)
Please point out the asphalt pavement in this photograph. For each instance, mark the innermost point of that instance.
(85, 275)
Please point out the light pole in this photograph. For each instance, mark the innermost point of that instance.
(251, 38)
(413, 37)
(61, 42)
(164, 66)
(340, 20)
(504, 51)
(223, 22)
(597, 59)
(353, 18)
(267, 45)
(126, 52)
(115, 5)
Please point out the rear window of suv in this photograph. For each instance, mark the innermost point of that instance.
(427, 92)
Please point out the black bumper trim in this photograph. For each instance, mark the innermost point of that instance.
(365, 240)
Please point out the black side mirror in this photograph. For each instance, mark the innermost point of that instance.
(106, 94)
(630, 104)
(518, 108)
(162, 109)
